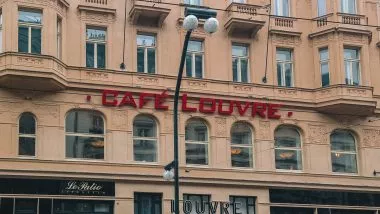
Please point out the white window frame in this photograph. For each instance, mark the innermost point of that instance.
(292, 149)
(324, 62)
(283, 70)
(33, 136)
(147, 139)
(343, 9)
(96, 42)
(193, 54)
(279, 5)
(59, 37)
(146, 48)
(31, 26)
(333, 152)
(200, 143)
(349, 73)
(244, 146)
(324, 8)
(239, 58)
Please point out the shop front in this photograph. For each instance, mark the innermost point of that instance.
(40, 196)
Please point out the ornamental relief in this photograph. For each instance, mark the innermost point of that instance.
(351, 37)
(264, 132)
(318, 134)
(221, 126)
(371, 138)
(286, 39)
(119, 119)
(96, 17)
(55, 4)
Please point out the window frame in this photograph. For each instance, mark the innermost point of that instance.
(95, 42)
(151, 197)
(199, 142)
(187, 195)
(250, 146)
(193, 54)
(104, 136)
(239, 58)
(283, 67)
(30, 26)
(233, 197)
(356, 153)
(324, 62)
(33, 136)
(156, 139)
(351, 62)
(324, 10)
(281, 8)
(347, 12)
(59, 37)
(300, 148)
(146, 48)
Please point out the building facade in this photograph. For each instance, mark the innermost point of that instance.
(279, 108)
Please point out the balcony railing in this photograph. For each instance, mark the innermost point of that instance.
(284, 22)
(285, 25)
(97, 2)
(97, 5)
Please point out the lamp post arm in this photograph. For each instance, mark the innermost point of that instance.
(175, 118)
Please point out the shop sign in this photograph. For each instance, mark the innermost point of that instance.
(189, 207)
(90, 188)
(203, 105)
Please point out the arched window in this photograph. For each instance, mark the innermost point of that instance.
(145, 139)
(343, 152)
(288, 150)
(196, 137)
(241, 145)
(84, 134)
(27, 135)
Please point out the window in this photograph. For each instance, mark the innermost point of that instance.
(193, 2)
(59, 38)
(145, 139)
(239, 1)
(146, 54)
(196, 137)
(288, 151)
(148, 203)
(281, 7)
(242, 205)
(348, 6)
(240, 63)
(285, 67)
(352, 66)
(322, 7)
(199, 203)
(194, 59)
(65, 206)
(29, 31)
(27, 135)
(241, 145)
(324, 66)
(343, 152)
(1, 31)
(84, 135)
(291, 210)
(96, 47)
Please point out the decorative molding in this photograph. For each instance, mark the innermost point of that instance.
(357, 91)
(243, 88)
(98, 17)
(148, 80)
(30, 60)
(371, 138)
(318, 134)
(119, 119)
(288, 92)
(92, 75)
(197, 84)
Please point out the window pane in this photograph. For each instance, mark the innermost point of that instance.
(279, 74)
(90, 55)
(347, 67)
(288, 159)
(284, 54)
(198, 201)
(27, 146)
(344, 162)
(325, 74)
(286, 137)
(321, 7)
(27, 124)
(198, 66)
(84, 147)
(86, 122)
(244, 70)
(148, 203)
(146, 40)
(151, 60)
(348, 6)
(140, 60)
(6, 205)
(101, 49)
(323, 54)
(189, 65)
(241, 134)
(235, 69)
(23, 36)
(26, 206)
(196, 153)
(240, 51)
(336, 211)
(144, 126)
(145, 150)
(356, 73)
(30, 17)
(342, 141)
(288, 75)
(241, 156)
(291, 210)
(242, 205)
(45, 206)
(96, 34)
(195, 46)
(351, 53)
(36, 40)
(1, 38)
(196, 131)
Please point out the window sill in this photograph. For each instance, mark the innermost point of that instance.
(85, 160)
(289, 171)
(27, 157)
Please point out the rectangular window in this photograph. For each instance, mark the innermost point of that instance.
(242, 205)
(59, 38)
(324, 66)
(148, 203)
(96, 47)
(146, 54)
(322, 7)
(193, 2)
(284, 67)
(352, 65)
(29, 31)
(292, 210)
(240, 63)
(281, 8)
(23, 206)
(348, 6)
(194, 59)
(199, 203)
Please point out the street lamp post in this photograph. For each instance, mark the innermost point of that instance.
(190, 23)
